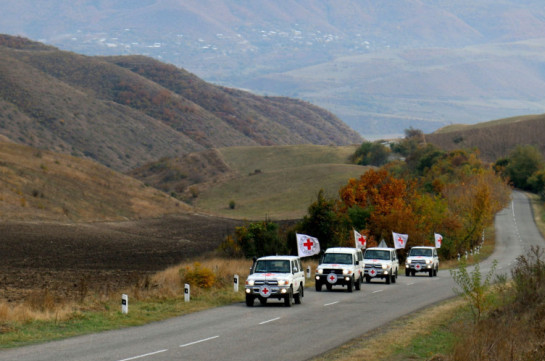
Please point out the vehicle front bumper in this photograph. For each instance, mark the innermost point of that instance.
(341, 279)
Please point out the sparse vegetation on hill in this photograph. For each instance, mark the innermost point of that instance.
(126, 111)
(42, 185)
(494, 139)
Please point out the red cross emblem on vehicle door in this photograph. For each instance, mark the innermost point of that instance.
(308, 244)
(265, 291)
(332, 278)
(372, 272)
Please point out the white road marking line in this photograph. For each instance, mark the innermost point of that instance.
(332, 303)
(145, 355)
(271, 320)
(377, 291)
(203, 340)
(412, 283)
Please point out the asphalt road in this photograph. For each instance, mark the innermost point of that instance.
(325, 320)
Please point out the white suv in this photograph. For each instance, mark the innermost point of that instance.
(422, 259)
(381, 263)
(280, 277)
(340, 266)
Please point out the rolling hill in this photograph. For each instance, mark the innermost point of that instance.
(494, 139)
(275, 182)
(126, 111)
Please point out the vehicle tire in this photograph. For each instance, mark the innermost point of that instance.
(350, 285)
(413, 273)
(367, 279)
(435, 271)
(262, 301)
(299, 296)
(394, 277)
(249, 300)
(358, 284)
(431, 273)
(318, 286)
(328, 286)
(288, 300)
(407, 272)
(388, 279)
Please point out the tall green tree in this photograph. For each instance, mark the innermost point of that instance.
(524, 161)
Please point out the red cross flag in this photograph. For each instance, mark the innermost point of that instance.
(438, 240)
(307, 245)
(361, 242)
(400, 240)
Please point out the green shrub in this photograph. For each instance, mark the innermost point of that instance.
(199, 276)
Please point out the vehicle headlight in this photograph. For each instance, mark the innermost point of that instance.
(409, 261)
(319, 271)
(428, 261)
(283, 282)
(346, 271)
(385, 266)
(250, 282)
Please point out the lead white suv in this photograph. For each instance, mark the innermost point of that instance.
(422, 259)
(381, 263)
(340, 266)
(280, 277)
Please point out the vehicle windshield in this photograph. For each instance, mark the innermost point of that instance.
(426, 252)
(376, 254)
(272, 266)
(340, 258)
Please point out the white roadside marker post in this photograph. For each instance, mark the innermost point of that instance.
(236, 283)
(186, 293)
(124, 304)
(308, 271)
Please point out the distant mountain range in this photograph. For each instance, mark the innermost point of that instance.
(127, 111)
(381, 66)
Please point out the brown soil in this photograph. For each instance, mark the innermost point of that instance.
(72, 259)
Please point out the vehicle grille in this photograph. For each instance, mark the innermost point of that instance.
(336, 271)
(369, 266)
(262, 282)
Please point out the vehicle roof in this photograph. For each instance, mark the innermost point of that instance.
(341, 250)
(423, 247)
(278, 258)
(382, 248)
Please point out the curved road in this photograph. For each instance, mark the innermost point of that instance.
(325, 320)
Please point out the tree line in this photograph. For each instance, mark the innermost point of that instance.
(418, 189)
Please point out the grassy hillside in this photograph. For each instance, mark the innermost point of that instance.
(42, 185)
(126, 111)
(494, 139)
(278, 182)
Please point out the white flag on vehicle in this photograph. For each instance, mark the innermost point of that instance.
(361, 242)
(400, 240)
(307, 245)
(438, 240)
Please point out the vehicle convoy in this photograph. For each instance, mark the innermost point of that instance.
(276, 277)
(422, 259)
(381, 263)
(340, 266)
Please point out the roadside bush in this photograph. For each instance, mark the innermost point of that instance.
(199, 276)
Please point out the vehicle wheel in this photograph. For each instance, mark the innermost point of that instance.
(350, 286)
(367, 279)
(407, 272)
(262, 301)
(388, 279)
(435, 271)
(328, 286)
(413, 273)
(358, 284)
(431, 273)
(394, 277)
(318, 286)
(249, 300)
(299, 296)
(288, 300)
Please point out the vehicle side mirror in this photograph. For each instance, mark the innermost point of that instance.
(294, 270)
(357, 263)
